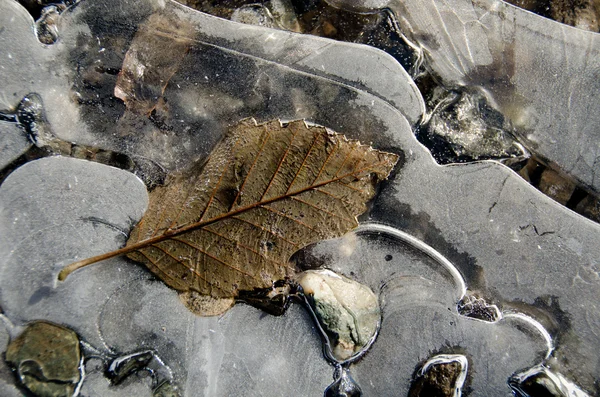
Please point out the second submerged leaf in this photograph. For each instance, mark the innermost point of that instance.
(230, 224)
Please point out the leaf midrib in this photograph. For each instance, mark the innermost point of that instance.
(198, 225)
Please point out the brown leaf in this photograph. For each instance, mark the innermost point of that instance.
(231, 224)
(157, 50)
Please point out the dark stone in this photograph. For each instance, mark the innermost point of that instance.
(46, 359)
(438, 381)
(343, 386)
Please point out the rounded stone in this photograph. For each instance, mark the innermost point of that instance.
(46, 357)
(347, 311)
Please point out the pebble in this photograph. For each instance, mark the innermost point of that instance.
(347, 311)
(46, 358)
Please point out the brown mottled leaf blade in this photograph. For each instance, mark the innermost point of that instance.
(231, 224)
(157, 50)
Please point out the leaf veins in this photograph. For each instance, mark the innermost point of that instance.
(231, 223)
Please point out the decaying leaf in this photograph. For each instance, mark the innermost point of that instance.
(157, 50)
(231, 224)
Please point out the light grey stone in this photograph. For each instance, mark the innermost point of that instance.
(347, 310)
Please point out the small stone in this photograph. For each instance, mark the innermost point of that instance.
(347, 311)
(442, 376)
(284, 15)
(343, 386)
(46, 358)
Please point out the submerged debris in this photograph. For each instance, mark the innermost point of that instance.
(28, 125)
(347, 311)
(46, 26)
(253, 14)
(360, 6)
(561, 187)
(464, 127)
(476, 307)
(584, 14)
(47, 359)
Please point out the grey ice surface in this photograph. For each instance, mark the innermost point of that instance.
(540, 73)
(56, 209)
(96, 384)
(243, 352)
(277, 74)
(7, 386)
(51, 213)
(418, 298)
(13, 143)
(512, 245)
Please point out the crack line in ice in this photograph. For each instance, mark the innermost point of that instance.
(81, 376)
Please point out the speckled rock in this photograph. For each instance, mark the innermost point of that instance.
(442, 376)
(46, 358)
(347, 311)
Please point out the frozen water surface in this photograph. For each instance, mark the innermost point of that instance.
(527, 260)
(276, 74)
(57, 204)
(13, 143)
(542, 74)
